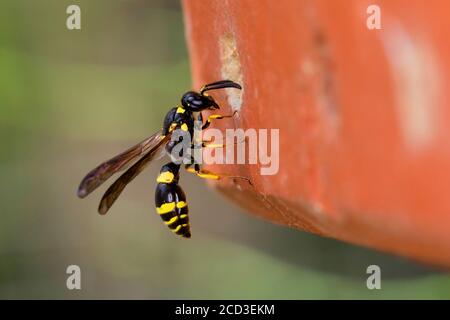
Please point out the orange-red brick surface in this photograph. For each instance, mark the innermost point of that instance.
(364, 115)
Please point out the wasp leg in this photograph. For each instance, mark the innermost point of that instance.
(216, 116)
(206, 174)
(196, 166)
(213, 145)
(209, 144)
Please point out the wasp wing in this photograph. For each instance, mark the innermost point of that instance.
(120, 162)
(117, 187)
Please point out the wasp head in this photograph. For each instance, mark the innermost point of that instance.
(199, 101)
(196, 102)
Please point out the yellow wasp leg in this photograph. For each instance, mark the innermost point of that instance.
(206, 174)
(213, 145)
(216, 116)
(209, 144)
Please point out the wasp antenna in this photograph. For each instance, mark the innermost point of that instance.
(220, 85)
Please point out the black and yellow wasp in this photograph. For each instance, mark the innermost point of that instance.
(170, 199)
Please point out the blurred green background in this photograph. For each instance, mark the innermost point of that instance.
(71, 99)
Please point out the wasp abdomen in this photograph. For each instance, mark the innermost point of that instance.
(171, 202)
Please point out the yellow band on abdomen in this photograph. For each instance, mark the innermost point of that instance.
(171, 220)
(166, 207)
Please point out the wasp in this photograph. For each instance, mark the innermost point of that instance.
(170, 199)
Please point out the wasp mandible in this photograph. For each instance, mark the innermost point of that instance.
(170, 199)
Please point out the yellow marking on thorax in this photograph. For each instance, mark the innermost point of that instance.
(166, 207)
(172, 220)
(165, 177)
(180, 109)
(184, 127)
(183, 216)
(172, 126)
